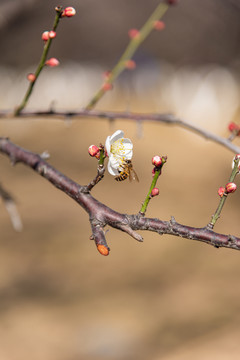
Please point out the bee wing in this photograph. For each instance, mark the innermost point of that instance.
(133, 175)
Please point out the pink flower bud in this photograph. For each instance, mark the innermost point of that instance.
(93, 150)
(69, 12)
(154, 192)
(107, 74)
(45, 35)
(52, 34)
(31, 77)
(133, 33)
(156, 160)
(158, 25)
(221, 191)
(233, 127)
(52, 62)
(130, 64)
(107, 86)
(230, 187)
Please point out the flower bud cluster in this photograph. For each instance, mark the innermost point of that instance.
(48, 35)
(228, 189)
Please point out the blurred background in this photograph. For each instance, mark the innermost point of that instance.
(167, 298)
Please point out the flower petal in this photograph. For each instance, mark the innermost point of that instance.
(117, 135)
(111, 170)
(108, 145)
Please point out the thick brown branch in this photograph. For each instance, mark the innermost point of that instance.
(100, 215)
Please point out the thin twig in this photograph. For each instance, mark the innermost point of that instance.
(168, 119)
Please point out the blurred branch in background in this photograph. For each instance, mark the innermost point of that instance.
(11, 208)
(11, 10)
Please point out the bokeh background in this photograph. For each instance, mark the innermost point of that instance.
(167, 298)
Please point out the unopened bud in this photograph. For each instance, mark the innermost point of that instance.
(52, 62)
(45, 35)
(107, 86)
(221, 191)
(158, 25)
(52, 34)
(130, 64)
(154, 192)
(134, 33)
(31, 77)
(93, 150)
(104, 250)
(69, 12)
(233, 127)
(157, 161)
(230, 187)
(107, 74)
(235, 158)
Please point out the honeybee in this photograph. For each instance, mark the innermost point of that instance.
(126, 171)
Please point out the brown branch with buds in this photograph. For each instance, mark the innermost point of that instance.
(100, 215)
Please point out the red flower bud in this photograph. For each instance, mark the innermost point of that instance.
(31, 77)
(93, 150)
(107, 74)
(221, 191)
(52, 62)
(230, 187)
(52, 34)
(107, 86)
(154, 192)
(156, 160)
(45, 35)
(103, 250)
(130, 64)
(159, 25)
(133, 33)
(233, 127)
(69, 12)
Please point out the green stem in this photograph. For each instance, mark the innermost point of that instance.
(218, 211)
(153, 185)
(40, 65)
(130, 51)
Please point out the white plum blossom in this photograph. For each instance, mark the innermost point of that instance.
(118, 149)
